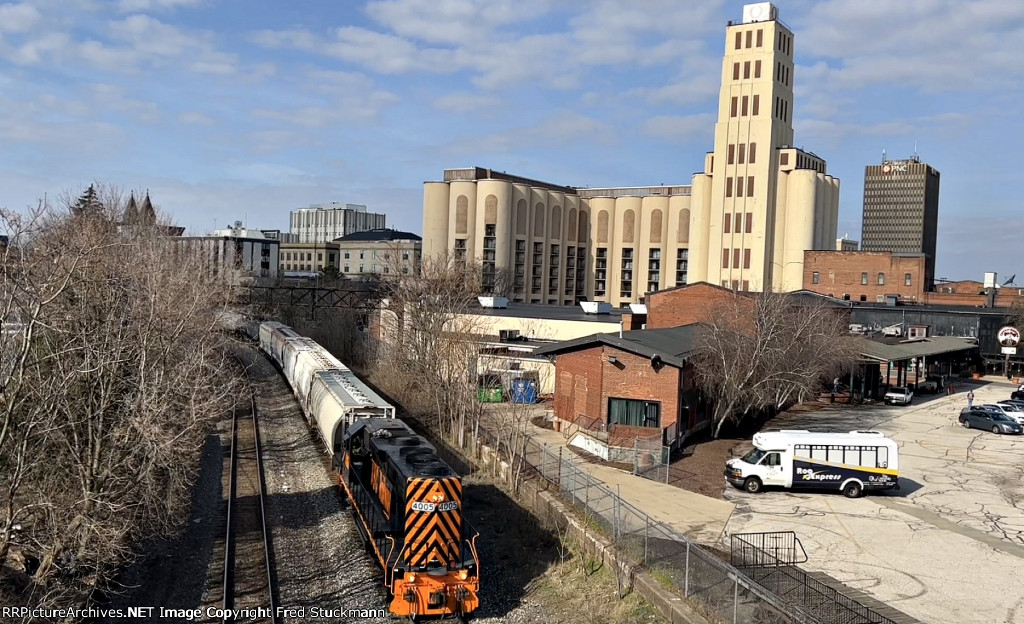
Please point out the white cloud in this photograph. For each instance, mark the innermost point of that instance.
(18, 18)
(465, 102)
(680, 129)
(193, 118)
(129, 6)
(561, 128)
(112, 98)
(932, 45)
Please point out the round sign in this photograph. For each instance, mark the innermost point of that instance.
(886, 168)
(1008, 336)
(755, 11)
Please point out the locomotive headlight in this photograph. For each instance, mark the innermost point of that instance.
(410, 578)
(463, 575)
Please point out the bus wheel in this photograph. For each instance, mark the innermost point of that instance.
(852, 490)
(752, 485)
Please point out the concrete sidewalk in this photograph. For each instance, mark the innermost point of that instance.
(699, 517)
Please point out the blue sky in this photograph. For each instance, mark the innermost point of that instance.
(245, 109)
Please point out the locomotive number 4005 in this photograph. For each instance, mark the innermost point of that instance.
(446, 506)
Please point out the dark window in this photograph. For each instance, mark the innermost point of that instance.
(739, 187)
(784, 159)
(746, 261)
(746, 286)
(732, 153)
(752, 152)
(728, 222)
(744, 111)
(757, 69)
(742, 154)
(755, 107)
(739, 40)
(814, 277)
(634, 413)
(746, 70)
(760, 37)
(750, 37)
(750, 186)
(728, 187)
(732, 110)
(907, 279)
(750, 222)
(736, 258)
(725, 258)
(863, 280)
(735, 71)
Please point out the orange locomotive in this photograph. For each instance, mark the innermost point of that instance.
(408, 508)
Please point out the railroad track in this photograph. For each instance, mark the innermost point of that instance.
(249, 581)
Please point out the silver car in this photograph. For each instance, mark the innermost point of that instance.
(1012, 412)
(994, 421)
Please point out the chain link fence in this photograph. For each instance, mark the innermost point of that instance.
(651, 459)
(760, 589)
(714, 587)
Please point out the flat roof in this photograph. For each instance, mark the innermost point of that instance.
(550, 313)
(893, 350)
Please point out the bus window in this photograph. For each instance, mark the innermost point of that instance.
(852, 456)
(818, 452)
(835, 454)
(883, 457)
(868, 456)
(802, 451)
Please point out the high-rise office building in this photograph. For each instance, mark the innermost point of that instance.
(322, 223)
(744, 222)
(901, 210)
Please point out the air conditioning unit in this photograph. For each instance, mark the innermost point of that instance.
(879, 298)
(508, 335)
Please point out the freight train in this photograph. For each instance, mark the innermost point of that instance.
(406, 500)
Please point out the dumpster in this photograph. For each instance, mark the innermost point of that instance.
(489, 395)
(524, 391)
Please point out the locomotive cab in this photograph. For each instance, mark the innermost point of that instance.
(408, 507)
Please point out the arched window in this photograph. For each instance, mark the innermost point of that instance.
(538, 220)
(656, 226)
(461, 214)
(683, 229)
(628, 223)
(571, 229)
(521, 217)
(583, 234)
(602, 226)
(556, 222)
(491, 210)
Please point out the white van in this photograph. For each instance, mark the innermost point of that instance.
(850, 462)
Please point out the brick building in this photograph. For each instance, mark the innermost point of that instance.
(865, 275)
(621, 387)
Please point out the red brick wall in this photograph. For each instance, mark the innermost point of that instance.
(585, 381)
(683, 306)
(839, 273)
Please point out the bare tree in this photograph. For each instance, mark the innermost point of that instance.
(113, 365)
(1015, 317)
(426, 357)
(767, 351)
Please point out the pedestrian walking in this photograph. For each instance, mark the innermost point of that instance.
(970, 399)
(835, 386)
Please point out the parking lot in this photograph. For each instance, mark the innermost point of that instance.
(948, 547)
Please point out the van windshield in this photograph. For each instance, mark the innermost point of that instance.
(754, 456)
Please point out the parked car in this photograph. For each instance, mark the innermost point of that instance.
(1018, 402)
(975, 418)
(898, 395)
(1017, 394)
(930, 386)
(1012, 412)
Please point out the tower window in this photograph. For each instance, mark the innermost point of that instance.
(746, 260)
(742, 153)
(907, 278)
(732, 153)
(725, 258)
(728, 187)
(760, 37)
(753, 146)
(739, 40)
(727, 224)
(732, 112)
(881, 279)
(750, 222)
(750, 36)
(746, 70)
(863, 280)
(815, 277)
(744, 107)
(750, 186)
(755, 106)
(736, 258)
(757, 65)
(735, 71)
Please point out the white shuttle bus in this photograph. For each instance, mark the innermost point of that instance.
(852, 462)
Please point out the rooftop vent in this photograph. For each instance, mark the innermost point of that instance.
(493, 302)
(596, 307)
